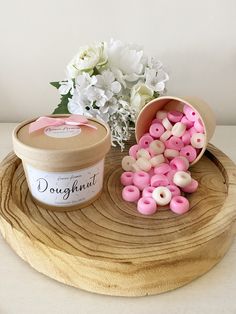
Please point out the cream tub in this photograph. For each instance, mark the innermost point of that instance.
(63, 164)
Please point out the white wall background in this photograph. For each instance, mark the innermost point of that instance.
(195, 39)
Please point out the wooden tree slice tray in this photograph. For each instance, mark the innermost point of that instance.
(109, 247)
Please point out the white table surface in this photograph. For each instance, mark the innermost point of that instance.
(25, 291)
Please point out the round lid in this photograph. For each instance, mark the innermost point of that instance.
(67, 144)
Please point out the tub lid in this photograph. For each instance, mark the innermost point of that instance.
(64, 143)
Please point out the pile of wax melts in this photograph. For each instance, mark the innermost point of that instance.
(156, 170)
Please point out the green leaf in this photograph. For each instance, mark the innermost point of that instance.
(156, 95)
(55, 84)
(95, 71)
(62, 107)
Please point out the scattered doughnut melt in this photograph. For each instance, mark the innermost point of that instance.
(156, 170)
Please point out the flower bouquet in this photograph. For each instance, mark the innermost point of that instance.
(111, 81)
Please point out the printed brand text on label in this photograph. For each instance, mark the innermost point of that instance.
(62, 131)
(65, 188)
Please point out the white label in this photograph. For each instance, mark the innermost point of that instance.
(62, 131)
(65, 188)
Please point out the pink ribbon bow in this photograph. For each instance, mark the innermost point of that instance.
(73, 119)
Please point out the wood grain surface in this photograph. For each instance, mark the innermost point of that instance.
(108, 247)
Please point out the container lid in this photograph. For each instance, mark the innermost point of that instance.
(64, 145)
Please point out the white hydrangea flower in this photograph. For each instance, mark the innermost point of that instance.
(96, 96)
(154, 63)
(77, 104)
(110, 107)
(84, 81)
(66, 87)
(156, 80)
(106, 81)
(119, 76)
(80, 101)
